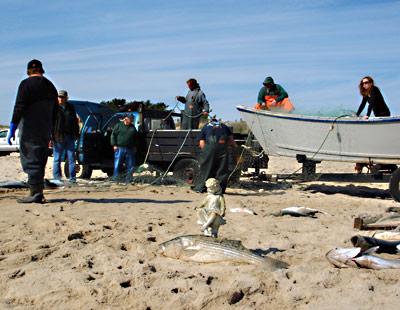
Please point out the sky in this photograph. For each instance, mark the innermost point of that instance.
(146, 50)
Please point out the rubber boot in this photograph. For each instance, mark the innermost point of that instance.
(35, 196)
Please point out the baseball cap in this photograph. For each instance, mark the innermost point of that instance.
(35, 64)
(62, 93)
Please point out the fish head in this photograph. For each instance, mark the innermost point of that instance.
(343, 257)
(175, 248)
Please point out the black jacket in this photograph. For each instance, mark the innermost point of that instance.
(35, 108)
(66, 123)
(376, 104)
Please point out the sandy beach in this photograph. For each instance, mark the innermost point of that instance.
(95, 246)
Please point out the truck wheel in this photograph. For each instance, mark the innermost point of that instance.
(109, 171)
(85, 170)
(394, 185)
(187, 169)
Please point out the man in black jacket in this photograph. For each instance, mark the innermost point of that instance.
(34, 110)
(66, 131)
(214, 140)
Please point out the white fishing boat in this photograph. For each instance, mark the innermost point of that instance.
(350, 139)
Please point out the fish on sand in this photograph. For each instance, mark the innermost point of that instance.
(203, 249)
(243, 210)
(354, 257)
(384, 246)
(389, 235)
(298, 211)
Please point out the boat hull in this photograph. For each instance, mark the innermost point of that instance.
(350, 139)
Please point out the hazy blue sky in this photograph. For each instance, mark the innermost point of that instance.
(99, 50)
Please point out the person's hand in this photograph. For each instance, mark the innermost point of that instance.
(366, 117)
(11, 133)
(180, 98)
(273, 102)
(205, 113)
(50, 144)
(115, 148)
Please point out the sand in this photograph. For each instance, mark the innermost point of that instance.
(94, 246)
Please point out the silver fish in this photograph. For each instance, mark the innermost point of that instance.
(354, 257)
(243, 210)
(298, 211)
(203, 249)
(389, 235)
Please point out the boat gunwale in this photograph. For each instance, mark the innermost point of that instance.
(321, 119)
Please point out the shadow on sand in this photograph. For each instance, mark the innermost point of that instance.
(272, 188)
(115, 200)
(351, 190)
(263, 252)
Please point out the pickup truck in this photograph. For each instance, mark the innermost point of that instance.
(160, 144)
(5, 148)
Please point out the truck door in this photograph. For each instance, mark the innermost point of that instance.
(91, 141)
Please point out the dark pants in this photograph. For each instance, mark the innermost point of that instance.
(213, 164)
(190, 122)
(33, 155)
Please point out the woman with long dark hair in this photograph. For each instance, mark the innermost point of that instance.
(376, 103)
(373, 96)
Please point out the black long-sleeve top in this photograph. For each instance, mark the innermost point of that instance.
(35, 105)
(376, 103)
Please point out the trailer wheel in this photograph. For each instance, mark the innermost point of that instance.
(86, 171)
(394, 185)
(187, 169)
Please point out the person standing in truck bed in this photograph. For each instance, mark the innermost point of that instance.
(196, 105)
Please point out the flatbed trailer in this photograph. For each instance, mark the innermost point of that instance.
(160, 145)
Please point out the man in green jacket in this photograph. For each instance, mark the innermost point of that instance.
(274, 97)
(123, 140)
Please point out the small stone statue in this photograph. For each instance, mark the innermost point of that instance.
(210, 213)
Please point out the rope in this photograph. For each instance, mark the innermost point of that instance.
(320, 147)
(238, 162)
(176, 155)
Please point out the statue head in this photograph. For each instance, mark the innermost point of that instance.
(213, 186)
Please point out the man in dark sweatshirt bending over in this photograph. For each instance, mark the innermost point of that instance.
(34, 110)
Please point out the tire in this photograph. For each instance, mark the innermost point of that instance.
(109, 171)
(85, 171)
(187, 170)
(394, 185)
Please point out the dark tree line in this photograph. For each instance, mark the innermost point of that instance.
(117, 104)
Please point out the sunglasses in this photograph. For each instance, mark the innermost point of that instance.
(367, 82)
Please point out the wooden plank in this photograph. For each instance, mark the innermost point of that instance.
(360, 224)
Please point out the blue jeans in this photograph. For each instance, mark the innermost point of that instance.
(60, 149)
(121, 155)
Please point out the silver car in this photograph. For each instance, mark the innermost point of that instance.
(5, 148)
